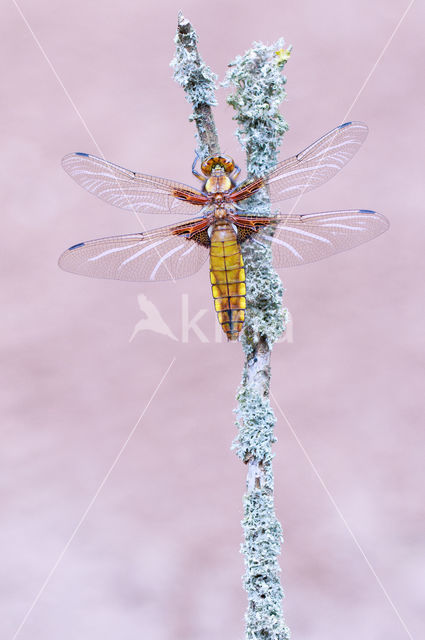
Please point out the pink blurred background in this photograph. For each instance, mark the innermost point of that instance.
(157, 555)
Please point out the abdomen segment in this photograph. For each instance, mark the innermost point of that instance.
(227, 275)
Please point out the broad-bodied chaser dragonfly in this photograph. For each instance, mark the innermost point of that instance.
(222, 223)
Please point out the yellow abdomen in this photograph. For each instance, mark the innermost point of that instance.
(227, 279)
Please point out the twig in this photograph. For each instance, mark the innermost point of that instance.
(198, 82)
(259, 91)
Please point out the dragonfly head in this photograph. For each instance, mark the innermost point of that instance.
(216, 165)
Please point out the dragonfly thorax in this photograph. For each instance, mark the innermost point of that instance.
(217, 170)
(220, 213)
(218, 183)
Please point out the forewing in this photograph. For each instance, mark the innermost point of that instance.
(317, 163)
(299, 239)
(130, 190)
(162, 254)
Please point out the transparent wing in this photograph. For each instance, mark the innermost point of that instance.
(317, 163)
(162, 254)
(130, 190)
(299, 239)
(309, 168)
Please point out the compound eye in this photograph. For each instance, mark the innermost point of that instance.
(225, 162)
(228, 164)
(206, 166)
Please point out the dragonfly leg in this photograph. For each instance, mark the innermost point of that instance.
(194, 171)
(252, 239)
(236, 171)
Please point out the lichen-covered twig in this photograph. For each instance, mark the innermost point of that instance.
(198, 82)
(259, 90)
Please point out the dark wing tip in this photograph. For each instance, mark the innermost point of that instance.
(366, 211)
(354, 123)
(76, 153)
(75, 246)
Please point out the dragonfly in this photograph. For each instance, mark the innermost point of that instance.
(221, 222)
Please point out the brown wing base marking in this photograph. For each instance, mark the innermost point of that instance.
(193, 197)
(197, 231)
(249, 225)
(247, 189)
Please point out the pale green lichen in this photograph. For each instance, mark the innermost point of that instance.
(262, 530)
(196, 78)
(259, 91)
(263, 537)
(199, 84)
(264, 290)
(256, 411)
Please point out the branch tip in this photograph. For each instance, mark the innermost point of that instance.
(199, 84)
(183, 23)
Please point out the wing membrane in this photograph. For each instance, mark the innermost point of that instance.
(309, 168)
(130, 190)
(161, 254)
(300, 239)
